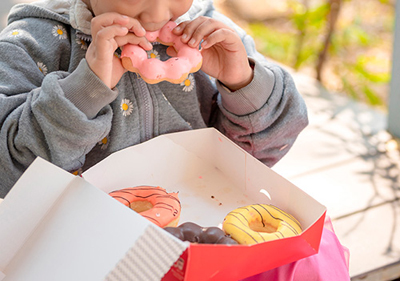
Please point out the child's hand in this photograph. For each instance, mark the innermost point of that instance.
(110, 31)
(224, 55)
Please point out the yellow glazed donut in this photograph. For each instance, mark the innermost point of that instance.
(260, 223)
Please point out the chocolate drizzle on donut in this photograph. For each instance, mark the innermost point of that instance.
(152, 202)
(276, 218)
(194, 233)
(156, 194)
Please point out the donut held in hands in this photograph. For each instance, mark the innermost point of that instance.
(152, 70)
(260, 223)
(152, 202)
(194, 233)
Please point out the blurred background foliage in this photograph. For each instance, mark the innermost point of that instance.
(345, 44)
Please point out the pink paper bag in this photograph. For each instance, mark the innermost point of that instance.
(330, 264)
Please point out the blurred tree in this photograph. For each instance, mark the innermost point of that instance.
(333, 15)
(345, 44)
(302, 26)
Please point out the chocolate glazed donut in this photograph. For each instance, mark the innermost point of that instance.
(194, 233)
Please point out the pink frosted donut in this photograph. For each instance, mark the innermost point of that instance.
(174, 70)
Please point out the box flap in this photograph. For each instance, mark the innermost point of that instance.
(80, 235)
(152, 260)
(32, 203)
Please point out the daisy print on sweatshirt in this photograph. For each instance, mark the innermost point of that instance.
(126, 107)
(188, 83)
(104, 142)
(81, 43)
(153, 54)
(59, 32)
(42, 67)
(15, 32)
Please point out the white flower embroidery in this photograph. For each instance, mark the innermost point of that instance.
(126, 107)
(82, 43)
(188, 83)
(77, 172)
(42, 67)
(104, 142)
(15, 32)
(60, 32)
(153, 54)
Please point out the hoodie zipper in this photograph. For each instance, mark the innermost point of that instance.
(146, 108)
(144, 97)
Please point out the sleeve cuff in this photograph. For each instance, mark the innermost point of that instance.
(252, 97)
(86, 91)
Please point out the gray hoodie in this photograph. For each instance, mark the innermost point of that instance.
(53, 106)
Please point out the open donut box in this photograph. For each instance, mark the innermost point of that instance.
(56, 226)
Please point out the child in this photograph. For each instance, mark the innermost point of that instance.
(64, 95)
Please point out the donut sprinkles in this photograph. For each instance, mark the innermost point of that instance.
(152, 202)
(260, 223)
(152, 70)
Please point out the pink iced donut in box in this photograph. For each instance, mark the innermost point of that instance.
(174, 70)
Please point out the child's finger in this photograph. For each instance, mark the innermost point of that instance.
(104, 44)
(189, 28)
(178, 30)
(202, 30)
(109, 19)
(220, 35)
(171, 51)
(135, 27)
(131, 38)
(199, 29)
(104, 20)
(110, 32)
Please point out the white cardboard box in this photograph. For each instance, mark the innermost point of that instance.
(55, 226)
